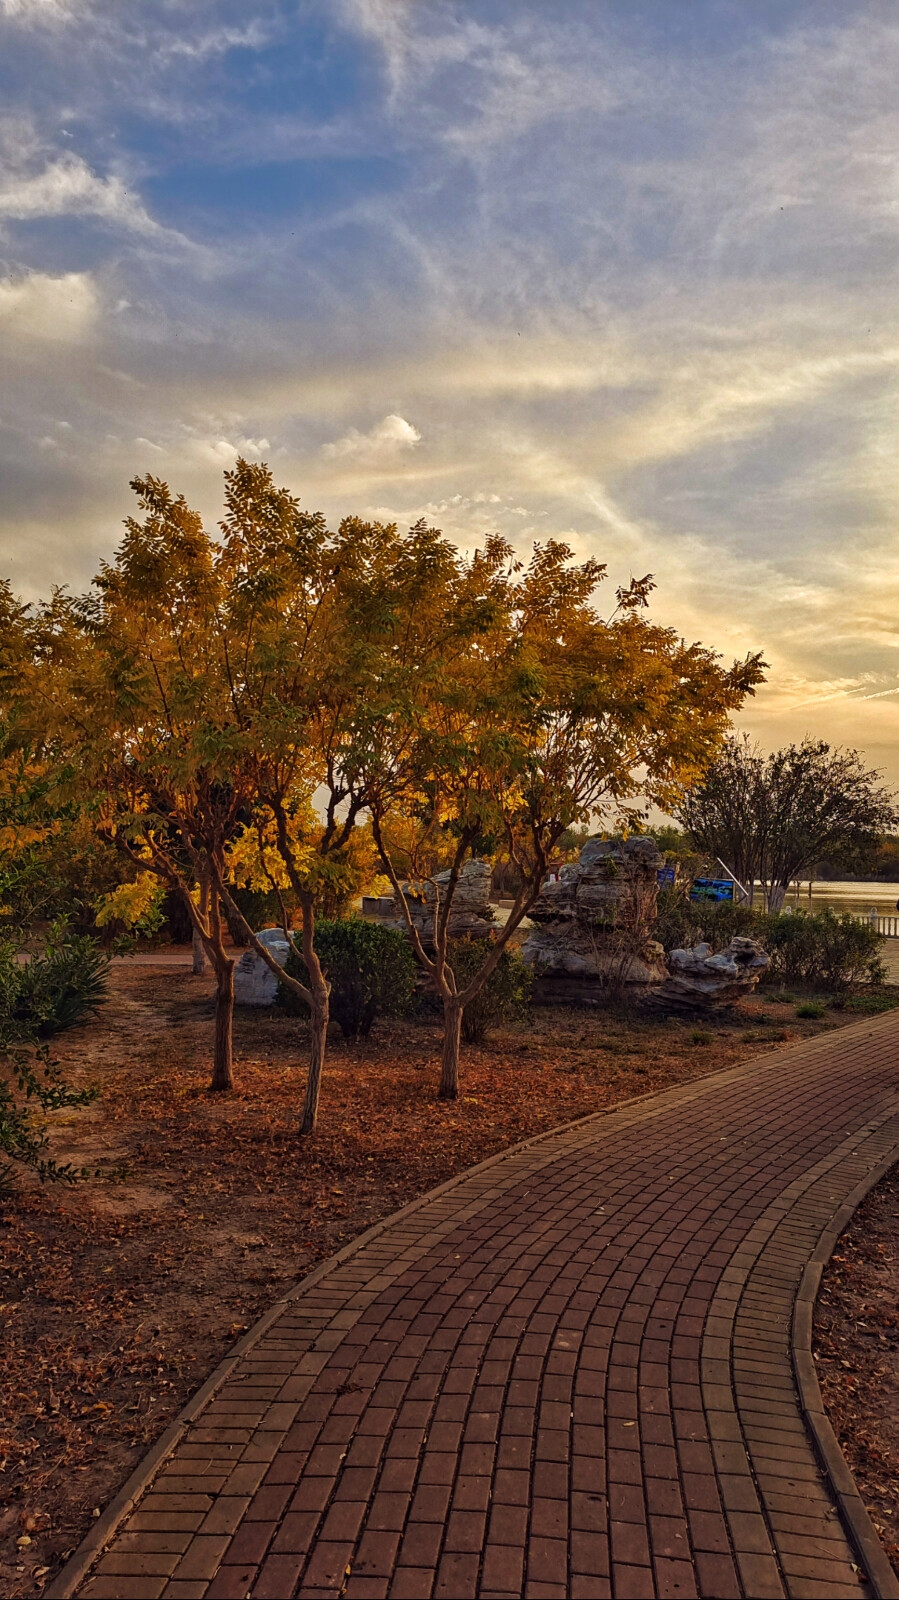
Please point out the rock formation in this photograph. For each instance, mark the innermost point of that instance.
(594, 920)
(697, 979)
(471, 915)
(254, 983)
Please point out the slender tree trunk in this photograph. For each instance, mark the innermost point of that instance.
(223, 1059)
(452, 1038)
(200, 961)
(320, 990)
(318, 1023)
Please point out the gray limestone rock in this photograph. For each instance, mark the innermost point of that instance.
(594, 919)
(471, 915)
(699, 979)
(254, 983)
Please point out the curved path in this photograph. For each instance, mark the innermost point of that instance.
(569, 1372)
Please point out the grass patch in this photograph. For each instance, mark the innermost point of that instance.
(701, 1036)
(812, 1009)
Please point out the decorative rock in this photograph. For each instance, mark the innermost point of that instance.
(698, 979)
(254, 983)
(594, 919)
(471, 914)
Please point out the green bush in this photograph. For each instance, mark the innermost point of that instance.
(822, 949)
(812, 1009)
(29, 1083)
(54, 990)
(505, 997)
(681, 923)
(371, 970)
(37, 998)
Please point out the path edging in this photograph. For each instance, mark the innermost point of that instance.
(837, 1471)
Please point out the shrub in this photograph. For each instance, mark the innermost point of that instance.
(505, 997)
(371, 970)
(822, 949)
(812, 1009)
(54, 990)
(30, 1082)
(681, 923)
(701, 1036)
(40, 997)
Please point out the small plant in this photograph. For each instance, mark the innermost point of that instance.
(878, 1000)
(371, 970)
(781, 997)
(812, 1009)
(31, 1083)
(701, 1036)
(61, 987)
(505, 997)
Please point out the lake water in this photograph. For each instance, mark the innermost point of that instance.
(862, 897)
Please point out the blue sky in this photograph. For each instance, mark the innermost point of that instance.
(620, 272)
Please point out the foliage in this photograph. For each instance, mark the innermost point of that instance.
(55, 990)
(30, 1083)
(822, 949)
(506, 710)
(40, 997)
(503, 998)
(371, 970)
(682, 922)
(131, 911)
(811, 1009)
(770, 819)
(819, 949)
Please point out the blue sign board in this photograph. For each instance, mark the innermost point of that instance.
(666, 876)
(718, 889)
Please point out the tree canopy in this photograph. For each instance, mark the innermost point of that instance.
(771, 818)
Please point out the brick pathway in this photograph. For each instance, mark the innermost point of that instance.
(567, 1373)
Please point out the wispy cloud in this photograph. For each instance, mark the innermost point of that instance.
(387, 438)
(622, 275)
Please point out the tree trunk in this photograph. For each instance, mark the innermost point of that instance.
(320, 990)
(318, 1023)
(200, 964)
(223, 1060)
(776, 896)
(452, 1036)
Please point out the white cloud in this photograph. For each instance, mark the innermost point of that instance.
(389, 437)
(31, 12)
(39, 306)
(222, 452)
(68, 187)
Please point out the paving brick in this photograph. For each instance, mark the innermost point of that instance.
(632, 1280)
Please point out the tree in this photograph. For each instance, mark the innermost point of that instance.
(505, 710)
(307, 598)
(771, 818)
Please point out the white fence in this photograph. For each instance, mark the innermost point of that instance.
(888, 927)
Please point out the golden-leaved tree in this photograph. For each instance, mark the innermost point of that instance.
(504, 709)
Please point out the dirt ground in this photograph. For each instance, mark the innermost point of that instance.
(121, 1295)
(857, 1353)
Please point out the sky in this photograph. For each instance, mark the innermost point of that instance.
(621, 272)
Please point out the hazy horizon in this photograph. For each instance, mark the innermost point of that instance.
(617, 273)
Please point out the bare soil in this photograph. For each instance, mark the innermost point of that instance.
(856, 1346)
(120, 1296)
